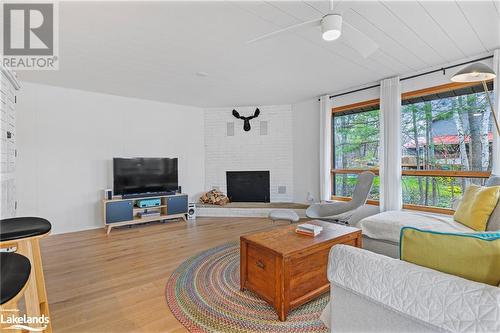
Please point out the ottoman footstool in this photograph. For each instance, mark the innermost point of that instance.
(284, 215)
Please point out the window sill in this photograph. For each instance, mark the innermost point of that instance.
(429, 209)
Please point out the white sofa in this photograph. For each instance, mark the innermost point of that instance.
(381, 231)
(376, 293)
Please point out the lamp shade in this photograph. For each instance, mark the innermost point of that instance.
(331, 27)
(475, 72)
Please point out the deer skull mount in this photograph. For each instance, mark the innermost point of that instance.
(246, 120)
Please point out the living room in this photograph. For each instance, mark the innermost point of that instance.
(250, 166)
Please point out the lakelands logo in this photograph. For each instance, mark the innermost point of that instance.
(9, 320)
(30, 35)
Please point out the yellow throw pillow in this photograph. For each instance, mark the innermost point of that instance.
(472, 256)
(476, 206)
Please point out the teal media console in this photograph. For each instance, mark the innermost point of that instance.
(119, 212)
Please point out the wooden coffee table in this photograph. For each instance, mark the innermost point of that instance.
(287, 269)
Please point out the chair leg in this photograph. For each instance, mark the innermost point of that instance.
(31, 293)
(40, 283)
(35, 294)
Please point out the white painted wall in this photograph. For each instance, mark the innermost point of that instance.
(250, 151)
(67, 139)
(305, 128)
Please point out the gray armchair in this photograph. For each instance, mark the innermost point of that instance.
(343, 210)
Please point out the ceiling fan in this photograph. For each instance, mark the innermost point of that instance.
(332, 28)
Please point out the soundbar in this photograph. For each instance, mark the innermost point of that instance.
(147, 195)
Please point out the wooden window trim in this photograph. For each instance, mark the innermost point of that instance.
(344, 108)
(353, 171)
(447, 173)
(430, 209)
(407, 95)
(430, 173)
(342, 198)
(437, 89)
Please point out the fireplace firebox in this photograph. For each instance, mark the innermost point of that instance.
(248, 186)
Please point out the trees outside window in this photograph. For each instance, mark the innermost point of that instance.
(449, 134)
(446, 135)
(356, 146)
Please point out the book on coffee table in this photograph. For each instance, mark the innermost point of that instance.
(308, 229)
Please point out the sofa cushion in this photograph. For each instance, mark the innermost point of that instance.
(494, 220)
(387, 225)
(476, 206)
(473, 256)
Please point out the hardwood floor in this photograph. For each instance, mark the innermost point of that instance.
(115, 283)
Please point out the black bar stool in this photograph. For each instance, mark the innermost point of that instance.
(14, 274)
(23, 234)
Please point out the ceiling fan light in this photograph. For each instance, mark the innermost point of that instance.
(475, 72)
(330, 35)
(331, 27)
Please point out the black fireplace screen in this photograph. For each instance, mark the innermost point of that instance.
(248, 186)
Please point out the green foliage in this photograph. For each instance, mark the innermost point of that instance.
(344, 186)
(357, 139)
(426, 126)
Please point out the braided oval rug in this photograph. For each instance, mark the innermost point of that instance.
(203, 294)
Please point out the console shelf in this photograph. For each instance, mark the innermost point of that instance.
(139, 209)
(118, 212)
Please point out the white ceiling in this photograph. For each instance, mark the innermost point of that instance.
(153, 50)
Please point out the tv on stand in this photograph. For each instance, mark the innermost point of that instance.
(141, 177)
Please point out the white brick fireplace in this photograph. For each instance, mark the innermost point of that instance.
(266, 147)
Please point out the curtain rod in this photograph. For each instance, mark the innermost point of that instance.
(442, 69)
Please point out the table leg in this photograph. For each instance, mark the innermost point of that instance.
(281, 284)
(281, 312)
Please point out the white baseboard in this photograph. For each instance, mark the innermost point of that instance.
(241, 212)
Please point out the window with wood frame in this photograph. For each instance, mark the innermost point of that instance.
(446, 136)
(356, 141)
(453, 118)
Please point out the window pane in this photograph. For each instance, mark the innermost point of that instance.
(344, 185)
(356, 140)
(450, 133)
(435, 191)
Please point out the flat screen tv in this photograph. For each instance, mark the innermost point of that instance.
(144, 176)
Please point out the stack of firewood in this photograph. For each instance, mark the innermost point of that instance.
(214, 197)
